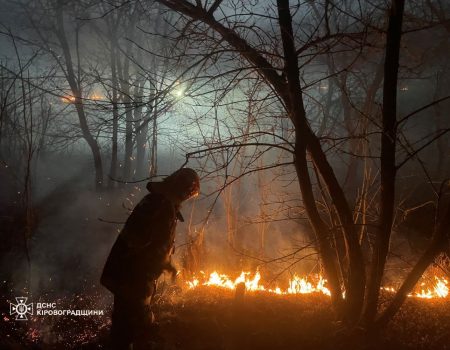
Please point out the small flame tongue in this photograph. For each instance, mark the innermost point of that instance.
(439, 290)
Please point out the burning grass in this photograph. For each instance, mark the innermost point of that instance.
(215, 313)
(436, 287)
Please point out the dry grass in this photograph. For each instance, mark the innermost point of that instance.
(212, 318)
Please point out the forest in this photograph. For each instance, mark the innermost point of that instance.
(320, 131)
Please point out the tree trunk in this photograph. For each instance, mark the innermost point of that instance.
(141, 141)
(140, 123)
(125, 84)
(128, 155)
(77, 94)
(305, 138)
(320, 228)
(441, 142)
(141, 147)
(290, 94)
(115, 110)
(436, 246)
(387, 161)
(154, 149)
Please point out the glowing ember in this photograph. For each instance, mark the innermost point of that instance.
(304, 285)
(33, 335)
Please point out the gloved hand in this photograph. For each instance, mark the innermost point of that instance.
(173, 271)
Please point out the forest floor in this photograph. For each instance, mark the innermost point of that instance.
(212, 318)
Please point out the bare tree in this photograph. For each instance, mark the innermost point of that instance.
(283, 70)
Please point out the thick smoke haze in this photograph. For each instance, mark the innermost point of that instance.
(320, 131)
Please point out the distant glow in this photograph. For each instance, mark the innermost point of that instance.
(96, 96)
(178, 90)
(68, 99)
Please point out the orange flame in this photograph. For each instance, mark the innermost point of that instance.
(297, 285)
(303, 285)
(439, 290)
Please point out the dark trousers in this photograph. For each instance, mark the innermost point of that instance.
(132, 323)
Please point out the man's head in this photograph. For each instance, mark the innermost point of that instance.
(180, 186)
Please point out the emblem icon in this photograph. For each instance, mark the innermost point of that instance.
(21, 309)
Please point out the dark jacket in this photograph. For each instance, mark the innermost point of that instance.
(143, 248)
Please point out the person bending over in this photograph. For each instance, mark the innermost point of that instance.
(141, 253)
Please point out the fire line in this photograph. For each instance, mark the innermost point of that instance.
(305, 285)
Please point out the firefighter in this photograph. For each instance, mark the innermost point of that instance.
(141, 254)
